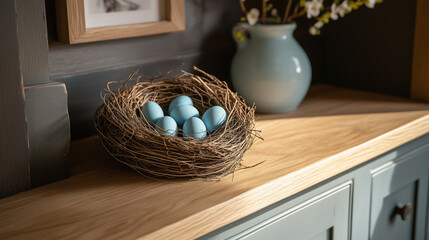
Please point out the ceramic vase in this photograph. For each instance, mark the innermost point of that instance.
(270, 69)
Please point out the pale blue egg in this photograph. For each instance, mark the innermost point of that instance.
(214, 118)
(152, 112)
(180, 100)
(194, 128)
(184, 112)
(167, 125)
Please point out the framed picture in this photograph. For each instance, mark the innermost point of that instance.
(80, 21)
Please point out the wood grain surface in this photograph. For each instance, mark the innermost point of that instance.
(72, 29)
(332, 131)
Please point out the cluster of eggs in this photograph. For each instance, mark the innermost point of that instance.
(183, 114)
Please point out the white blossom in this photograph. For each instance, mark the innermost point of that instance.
(313, 31)
(341, 12)
(334, 14)
(318, 25)
(313, 8)
(343, 8)
(370, 3)
(274, 12)
(345, 5)
(252, 16)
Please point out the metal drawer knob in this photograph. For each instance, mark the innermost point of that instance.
(404, 210)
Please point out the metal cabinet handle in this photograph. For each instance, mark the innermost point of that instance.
(404, 210)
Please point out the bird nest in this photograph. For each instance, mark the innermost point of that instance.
(133, 141)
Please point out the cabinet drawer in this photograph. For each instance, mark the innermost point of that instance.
(399, 198)
(325, 216)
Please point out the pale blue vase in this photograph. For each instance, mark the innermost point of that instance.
(270, 68)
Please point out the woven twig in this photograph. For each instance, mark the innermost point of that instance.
(131, 140)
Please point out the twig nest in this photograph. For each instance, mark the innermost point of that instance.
(135, 141)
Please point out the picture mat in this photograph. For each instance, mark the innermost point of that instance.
(149, 11)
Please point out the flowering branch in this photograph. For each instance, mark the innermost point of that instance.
(286, 16)
(243, 8)
(296, 15)
(314, 9)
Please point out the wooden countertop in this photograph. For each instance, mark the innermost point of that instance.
(332, 131)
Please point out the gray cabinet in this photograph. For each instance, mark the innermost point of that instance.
(386, 198)
(325, 216)
(399, 198)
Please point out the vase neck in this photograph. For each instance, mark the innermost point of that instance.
(272, 30)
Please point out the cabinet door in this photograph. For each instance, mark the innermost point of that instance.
(399, 198)
(326, 216)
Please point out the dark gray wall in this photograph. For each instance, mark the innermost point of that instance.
(371, 49)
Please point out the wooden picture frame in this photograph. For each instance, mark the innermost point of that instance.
(72, 29)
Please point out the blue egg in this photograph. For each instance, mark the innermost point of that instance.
(167, 125)
(152, 112)
(183, 112)
(194, 128)
(180, 100)
(214, 118)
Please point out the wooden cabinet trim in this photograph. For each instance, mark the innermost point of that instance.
(420, 69)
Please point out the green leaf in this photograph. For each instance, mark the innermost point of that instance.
(325, 17)
(239, 35)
